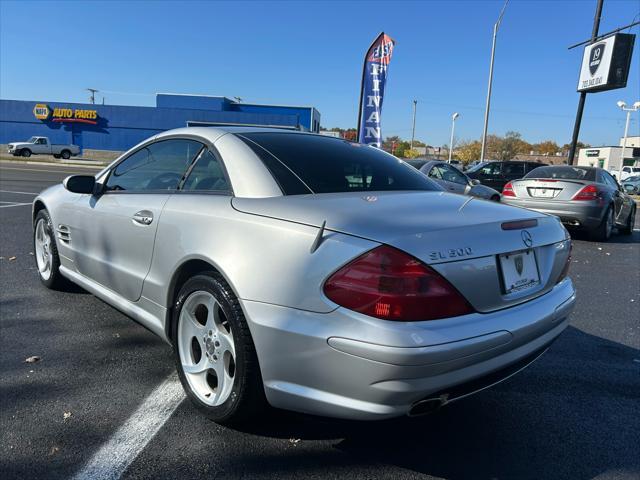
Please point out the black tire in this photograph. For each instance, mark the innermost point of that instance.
(26, 153)
(628, 228)
(602, 232)
(495, 198)
(66, 154)
(55, 280)
(247, 398)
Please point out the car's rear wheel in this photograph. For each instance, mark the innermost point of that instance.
(66, 154)
(214, 352)
(26, 153)
(45, 252)
(495, 198)
(602, 232)
(628, 228)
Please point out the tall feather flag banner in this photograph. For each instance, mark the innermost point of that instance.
(374, 78)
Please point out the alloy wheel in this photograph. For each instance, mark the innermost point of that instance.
(44, 255)
(206, 348)
(610, 220)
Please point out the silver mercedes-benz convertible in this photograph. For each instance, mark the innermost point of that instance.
(308, 272)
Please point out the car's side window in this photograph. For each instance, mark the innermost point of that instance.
(207, 175)
(159, 166)
(436, 173)
(514, 169)
(491, 169)
(608, 179)
(450, 174)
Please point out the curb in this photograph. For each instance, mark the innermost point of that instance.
(94, 165)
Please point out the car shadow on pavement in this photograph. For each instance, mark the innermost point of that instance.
(572, 414)
(616, 237)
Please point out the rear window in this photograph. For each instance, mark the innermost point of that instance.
(315, 164)
(566, 173)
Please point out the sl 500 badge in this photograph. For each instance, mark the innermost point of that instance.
(451, 253)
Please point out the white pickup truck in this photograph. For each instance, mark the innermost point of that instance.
(42, 146)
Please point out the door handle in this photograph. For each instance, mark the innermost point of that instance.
(143, 217)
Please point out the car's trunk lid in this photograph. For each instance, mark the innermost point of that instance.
(461, 237)
(548, 189)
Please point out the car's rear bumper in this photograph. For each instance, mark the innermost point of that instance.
(347, 365)
(573, 214)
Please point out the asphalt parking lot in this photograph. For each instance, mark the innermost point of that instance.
(573, 414)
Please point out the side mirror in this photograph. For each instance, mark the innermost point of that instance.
(80, 184)
(475, 181)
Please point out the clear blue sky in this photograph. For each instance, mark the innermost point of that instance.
(310, 53)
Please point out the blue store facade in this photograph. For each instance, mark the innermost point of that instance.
(118, 128)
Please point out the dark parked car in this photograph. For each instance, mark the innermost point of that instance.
(497, 174)
(453, 180)
(582, 197)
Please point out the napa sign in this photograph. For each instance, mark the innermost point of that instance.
(65, 115)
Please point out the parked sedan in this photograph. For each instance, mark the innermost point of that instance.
(632, 185)
(308, 272)
(453, 180)
(582, 197)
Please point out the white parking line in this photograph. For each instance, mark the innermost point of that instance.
(19, 193)
(14, 205)
(113, 458)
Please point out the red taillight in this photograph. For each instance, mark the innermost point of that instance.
(590, 192)
(507, 191)
(389, 284)
(565, 269)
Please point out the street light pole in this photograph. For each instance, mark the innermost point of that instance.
(488, 103)
(453, 128)
(413, 130)
(634, 108)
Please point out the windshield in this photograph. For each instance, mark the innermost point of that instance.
(563, 173)
(632, 179)
(303, 164)
(32, 140)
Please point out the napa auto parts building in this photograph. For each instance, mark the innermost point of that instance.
(114, 128)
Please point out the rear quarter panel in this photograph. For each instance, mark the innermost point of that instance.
(263, 259)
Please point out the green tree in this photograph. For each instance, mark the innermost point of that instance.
(548, 147)
(468, 150)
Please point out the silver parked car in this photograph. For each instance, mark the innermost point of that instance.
(453, 180)
(308, 272)
(588, 198)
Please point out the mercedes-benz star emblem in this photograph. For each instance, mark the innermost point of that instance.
(526, 238)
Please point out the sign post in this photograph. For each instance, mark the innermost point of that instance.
(583, 94)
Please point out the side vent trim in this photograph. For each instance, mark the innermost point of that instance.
(64, 234)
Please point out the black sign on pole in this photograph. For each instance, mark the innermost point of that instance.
(583, 95)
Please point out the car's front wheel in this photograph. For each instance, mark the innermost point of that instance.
(26, 153)
(45, 251)
(214, 352)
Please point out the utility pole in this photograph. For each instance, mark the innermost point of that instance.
(583, 95)
(413, 130)
(488, 104)
(92, 94)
